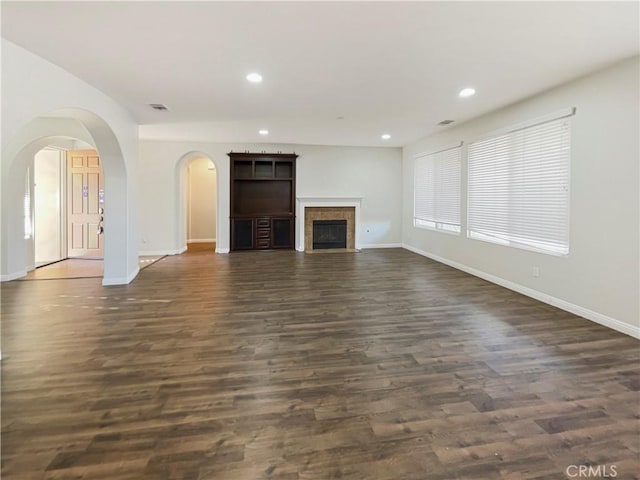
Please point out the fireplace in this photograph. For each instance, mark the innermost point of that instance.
(329, 234)
(345, 216)
(312, 209)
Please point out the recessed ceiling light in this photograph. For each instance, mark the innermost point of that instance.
(158, 106)
(254, 77)
(385, 136)
(467, 92)
(264, 131)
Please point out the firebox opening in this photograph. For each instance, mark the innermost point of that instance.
(329, 234)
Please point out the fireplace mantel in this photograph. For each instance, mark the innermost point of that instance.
(304, 202)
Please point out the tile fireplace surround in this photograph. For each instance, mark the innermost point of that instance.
(310, 209)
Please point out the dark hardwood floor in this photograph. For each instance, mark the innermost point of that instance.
(280, 365)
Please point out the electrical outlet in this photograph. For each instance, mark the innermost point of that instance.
(536, 272)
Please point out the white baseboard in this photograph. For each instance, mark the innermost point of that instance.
(157, 253)
(369, 245)
(12, 276)
(381, 245)
(121, 280)
(597, 317)
(202, 240)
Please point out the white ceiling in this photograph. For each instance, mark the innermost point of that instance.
(386, 67)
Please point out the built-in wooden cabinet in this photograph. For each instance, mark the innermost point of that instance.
(263, 193)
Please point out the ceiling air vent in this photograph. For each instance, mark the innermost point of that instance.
(446, 122)
(158, 106)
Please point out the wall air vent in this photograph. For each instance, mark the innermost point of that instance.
(158, 106)
(446, 122)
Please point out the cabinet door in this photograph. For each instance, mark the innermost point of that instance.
(242, 234)
(282, 233)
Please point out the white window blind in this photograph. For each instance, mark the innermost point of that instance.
(519, 187)
(437, 190)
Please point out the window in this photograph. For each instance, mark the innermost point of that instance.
(519, 186)
(437, 190)
(28, 225)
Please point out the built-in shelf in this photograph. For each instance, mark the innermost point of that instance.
(262, 200)
(260, 179)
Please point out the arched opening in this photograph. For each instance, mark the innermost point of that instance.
(197, 217)
(55, 207)
(201, 204)
(17, 252)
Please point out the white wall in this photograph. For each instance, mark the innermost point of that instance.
(371, 173)
(202, 201)
(47, 198)
(600, 277)
(41, 100)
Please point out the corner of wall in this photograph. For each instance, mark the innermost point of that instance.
(119, 280)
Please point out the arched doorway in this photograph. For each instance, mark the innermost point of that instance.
(201, 204)
(67, 198)
(197, 216)
(17, 252)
